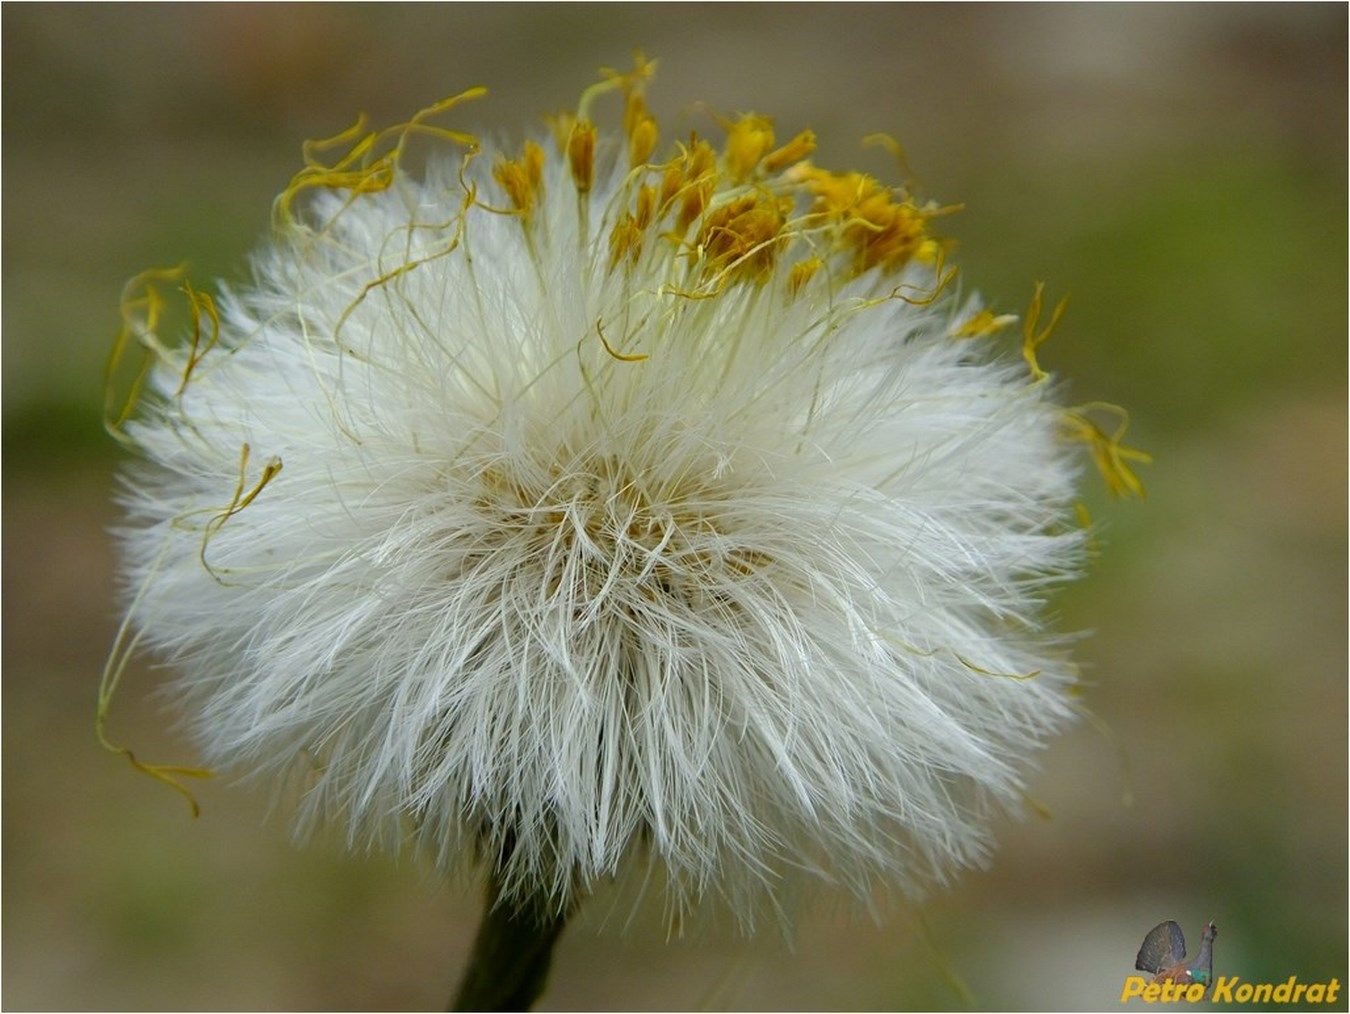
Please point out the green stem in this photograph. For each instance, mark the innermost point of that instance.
(509, 965)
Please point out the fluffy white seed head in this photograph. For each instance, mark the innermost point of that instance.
(496, 517)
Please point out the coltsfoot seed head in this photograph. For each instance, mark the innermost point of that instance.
(608, 506)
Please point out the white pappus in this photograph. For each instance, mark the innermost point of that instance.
(602, 514)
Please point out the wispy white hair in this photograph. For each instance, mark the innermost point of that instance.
(478, 537)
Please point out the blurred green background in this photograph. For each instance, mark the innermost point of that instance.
(1181, 170)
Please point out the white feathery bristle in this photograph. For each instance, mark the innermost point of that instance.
(499, 528)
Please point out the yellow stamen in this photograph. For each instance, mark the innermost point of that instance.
(625, 240)
(523, 179)
(743, 233)
(646, 206)
(1110, 455)
(671, 182)
(123, 649)
(534, 159)
(642, 142)
(885, 233)
(140, 322)
(201, 303)
(640, 128)
(511, 176)
(642, 72)
(932, 250)
(581, 155)
(634, 111)
(702, 159)
(748, 139)
(238, 501)
(794, 151)
(984, 324)
(801, 273)
(1031, 338)
(696, 197)
(836, 194)
(700, 171)
(359, 170)
(884, 140)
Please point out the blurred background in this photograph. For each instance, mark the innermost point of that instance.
(1181, 170)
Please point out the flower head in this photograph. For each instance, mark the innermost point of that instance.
(603, 504)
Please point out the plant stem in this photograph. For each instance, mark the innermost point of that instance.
(510, 960)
